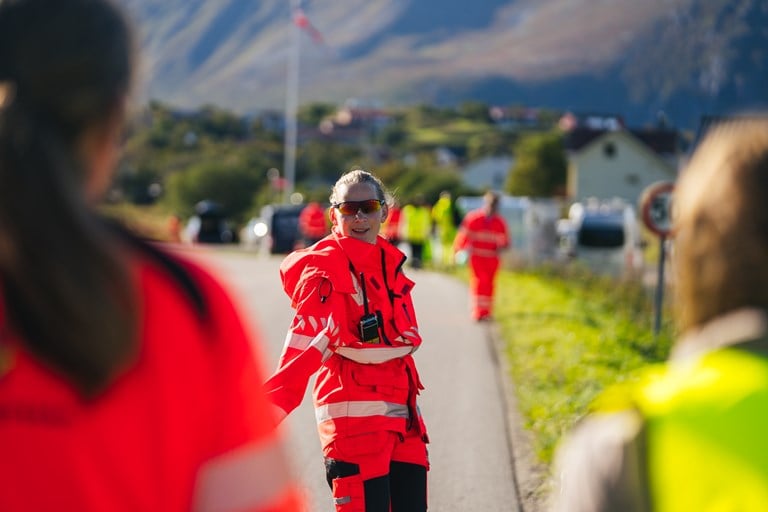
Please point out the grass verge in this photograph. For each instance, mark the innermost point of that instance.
(568, 335)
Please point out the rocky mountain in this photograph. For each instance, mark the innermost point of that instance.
(635, 58)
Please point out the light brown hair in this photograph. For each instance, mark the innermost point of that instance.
(721, 224)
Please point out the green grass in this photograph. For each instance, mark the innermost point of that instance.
(568, 336)
(149, 221)
(450, 133)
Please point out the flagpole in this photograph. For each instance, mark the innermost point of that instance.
(291, 104)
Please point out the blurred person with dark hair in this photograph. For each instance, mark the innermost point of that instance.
(127, 379)
(483, 235)
(691, 434)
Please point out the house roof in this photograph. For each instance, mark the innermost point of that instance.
(663, 142)
(634, 141)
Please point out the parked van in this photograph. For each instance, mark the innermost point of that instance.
(282, 222)
(209, 225)
(603, 235)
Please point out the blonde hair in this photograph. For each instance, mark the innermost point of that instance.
(721, 224)
(359, 176)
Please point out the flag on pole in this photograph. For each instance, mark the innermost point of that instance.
(300, 20)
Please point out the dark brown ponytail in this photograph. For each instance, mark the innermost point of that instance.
(62, 272)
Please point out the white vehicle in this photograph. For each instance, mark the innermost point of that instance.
(253, 234)
(604, 235)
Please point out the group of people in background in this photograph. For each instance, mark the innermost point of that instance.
(441, 234)
(417, 225)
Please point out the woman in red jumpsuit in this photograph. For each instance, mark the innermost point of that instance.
(483, 235)
(127, 380)
(355, 325)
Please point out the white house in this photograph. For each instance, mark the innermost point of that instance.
(487, 173)
(616, 164)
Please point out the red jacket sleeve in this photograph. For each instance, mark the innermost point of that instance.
(313, 329)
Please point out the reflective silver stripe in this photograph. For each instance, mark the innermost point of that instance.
(301, 321)
(303, 342)
(488, 253)
(484, 236)
(342, 501)
(374, 355)
(360, 409)
(297, 341)
(250, 477)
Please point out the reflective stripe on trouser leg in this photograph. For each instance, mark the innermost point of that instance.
(481, 287)
(349, 494)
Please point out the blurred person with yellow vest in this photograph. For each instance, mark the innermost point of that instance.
(482, 236)
(446, 219)
(691, 434)
(415, 228)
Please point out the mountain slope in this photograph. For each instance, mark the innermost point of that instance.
(621, 55)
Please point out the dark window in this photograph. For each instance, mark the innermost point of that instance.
(601, 234)
(609, 149)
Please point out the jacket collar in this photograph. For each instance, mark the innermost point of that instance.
(365, 256)
(739, 326)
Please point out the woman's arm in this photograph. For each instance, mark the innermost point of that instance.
(314, 327)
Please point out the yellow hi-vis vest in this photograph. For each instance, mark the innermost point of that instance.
(707, 433)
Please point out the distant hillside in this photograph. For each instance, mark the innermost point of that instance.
(636, 58)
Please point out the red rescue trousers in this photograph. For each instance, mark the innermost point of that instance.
(482, 277)
(381, 470)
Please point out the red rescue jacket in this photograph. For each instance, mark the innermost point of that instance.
(361, 386)
(481, 235)
(312, 221)
(184, 427)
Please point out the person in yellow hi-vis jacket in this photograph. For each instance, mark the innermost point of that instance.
(691, 434)
(446, 220)
(415, 227)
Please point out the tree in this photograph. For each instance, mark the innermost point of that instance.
(540, 166)
(232, 186)
(475, 111)
(313, 113)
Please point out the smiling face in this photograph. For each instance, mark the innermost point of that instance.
(363, 226)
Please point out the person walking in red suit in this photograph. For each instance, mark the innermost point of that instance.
(312, 223)
(483, 234)
(128, 381)
(355, 325)
(391, 226)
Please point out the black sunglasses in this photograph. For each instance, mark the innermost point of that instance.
(352, 207)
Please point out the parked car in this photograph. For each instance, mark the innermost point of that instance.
(282, 222)
(209, 225)
(604, 235)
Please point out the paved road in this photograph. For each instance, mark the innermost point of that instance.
(462, 404)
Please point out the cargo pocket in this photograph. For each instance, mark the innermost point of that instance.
(349, 494)
(386, 380)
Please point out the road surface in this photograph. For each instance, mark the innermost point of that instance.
(463, 404)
